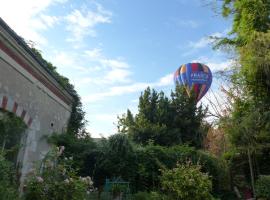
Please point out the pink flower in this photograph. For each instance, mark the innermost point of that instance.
(40, 179)
(61, 150)
(66, 181)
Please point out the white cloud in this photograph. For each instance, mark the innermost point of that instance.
(165, 80)
(214, 64)
(115, 91)
(49, 20)
(27, 17)
(206, 40)
(116, 70)
(118, 75)
(127, 89)
(114, 63)
(63, 59)
(92, 67)
(201, 43)
(94, 54)
(82, 22)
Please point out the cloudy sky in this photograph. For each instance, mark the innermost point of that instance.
(111, 50)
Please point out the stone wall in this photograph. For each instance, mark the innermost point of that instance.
(28, 90)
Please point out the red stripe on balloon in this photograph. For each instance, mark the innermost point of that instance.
(194, 67)
(196, 90)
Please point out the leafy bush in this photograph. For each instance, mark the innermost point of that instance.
(83, 161)
(186, 181)
(11, 130)
(8, 188)
(57, 180)
(152, 158)
(263, 187)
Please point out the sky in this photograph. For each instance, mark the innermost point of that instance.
(111, 50)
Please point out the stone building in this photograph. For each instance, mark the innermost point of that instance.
(30, 91)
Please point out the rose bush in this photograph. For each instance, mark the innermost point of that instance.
(56, 179)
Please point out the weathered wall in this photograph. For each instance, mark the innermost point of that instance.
(29, 91)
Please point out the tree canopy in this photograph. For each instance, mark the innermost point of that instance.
(165, 121)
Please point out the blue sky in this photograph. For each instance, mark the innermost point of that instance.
(111, 50)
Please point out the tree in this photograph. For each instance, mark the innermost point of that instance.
(116, 159)
(250, 39)
(248, 126)
(165, 121)
(83, 150)
(187, 117)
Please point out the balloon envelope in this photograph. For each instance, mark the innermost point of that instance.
(194, 76)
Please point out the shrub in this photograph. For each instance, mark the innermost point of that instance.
(57, 180)
(263, 187)
(186, 181)
(152, 158)
(8, 187)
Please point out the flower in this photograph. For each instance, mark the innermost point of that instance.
(40, 179)
(61, 150)
(66, 181)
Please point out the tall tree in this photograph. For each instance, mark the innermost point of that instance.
(165, 121)
(250, 38)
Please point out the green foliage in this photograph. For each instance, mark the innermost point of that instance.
(263, 187)
(11, 130)
(150, 196)
(76, 121)
(153, 158)
(251, 36)
(83, 150)
(186, 182)
(248, 125)
(8, 187)
(57, 180)
(116, 158)
(140, 165)
(117, 189)
(165, 121)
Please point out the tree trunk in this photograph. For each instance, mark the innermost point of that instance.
(4, 144)
(251, 173)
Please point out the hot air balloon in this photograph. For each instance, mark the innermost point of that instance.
(194, 76)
